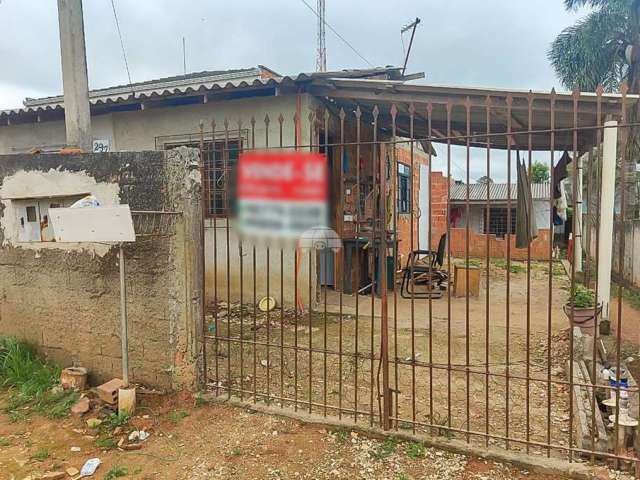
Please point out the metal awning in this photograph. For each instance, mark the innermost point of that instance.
(529, 111)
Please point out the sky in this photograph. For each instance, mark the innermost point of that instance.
(492, 43)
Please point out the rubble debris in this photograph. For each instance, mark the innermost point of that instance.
(53, 476)
(81, 407)
(75, 449)
(108, 392)
(74, 378)
(94, 422)
(72, 471)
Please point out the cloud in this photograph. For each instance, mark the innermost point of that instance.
(497, 43)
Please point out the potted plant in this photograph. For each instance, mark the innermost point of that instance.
(582, 304)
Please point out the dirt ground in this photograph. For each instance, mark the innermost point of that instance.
(271, 360)
(193, 441)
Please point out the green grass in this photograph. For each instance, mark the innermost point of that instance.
(415, 450)
(178, 415)
(513, 268)
(632, 297)
(41, 455)
(385, 449)
(4, 442)
(30, 381)
(342, 436)
(106, 443)
(116, 472)
(116, 420)
(236, 452)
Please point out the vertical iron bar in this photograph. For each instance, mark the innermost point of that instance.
(467, 106)
(297, 259)
(267, 122)
(340, 255)
(241, 252)
(393, 168)
(598, 159)
(356, 288)
(203, 260)
(623, 187)
(574, 224)
(552, 140)
(227, 230)
(312, 252)
(430, 230)
(382, 278)
(412, 111)
(508, 299)
(529, 240)
(488, 271)
(280, 142)
(449, 107)
(374, 162)
(255, 300)
(215, 207)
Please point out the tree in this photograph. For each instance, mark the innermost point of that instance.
(539, 172)
(603, 48)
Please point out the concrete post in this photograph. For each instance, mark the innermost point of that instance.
(607, 204)
(577, 235)
(74, 74)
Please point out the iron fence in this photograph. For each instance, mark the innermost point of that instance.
(501, 368)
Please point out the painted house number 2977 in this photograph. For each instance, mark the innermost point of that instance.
(101, 146)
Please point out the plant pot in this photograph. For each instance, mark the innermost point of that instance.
(585, 318)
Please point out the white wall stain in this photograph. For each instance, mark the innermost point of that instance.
(32, 184)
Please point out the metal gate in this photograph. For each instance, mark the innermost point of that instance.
(401, 341)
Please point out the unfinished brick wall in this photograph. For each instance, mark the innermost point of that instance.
(65, 299)
(477, 241)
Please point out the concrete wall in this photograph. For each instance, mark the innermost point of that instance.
(64, 298)
(630, 272)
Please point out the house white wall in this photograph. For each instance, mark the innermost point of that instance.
(137, 131)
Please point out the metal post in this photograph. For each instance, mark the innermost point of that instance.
(608, 185)
(124, 335)
(382, 278)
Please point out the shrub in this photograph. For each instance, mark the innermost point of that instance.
(583, 297)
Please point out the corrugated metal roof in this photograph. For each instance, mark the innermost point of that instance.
(497, 191)
(199, 82)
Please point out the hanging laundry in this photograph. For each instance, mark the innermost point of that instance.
(560, 173)
(526, 228)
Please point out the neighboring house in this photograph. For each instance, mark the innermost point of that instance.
(500, 223)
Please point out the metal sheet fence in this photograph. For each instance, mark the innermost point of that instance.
(500, 368)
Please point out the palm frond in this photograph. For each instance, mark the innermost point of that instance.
(588, 53)
(596, 4)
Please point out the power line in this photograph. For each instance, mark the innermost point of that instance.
(124, 53)
(337, 34)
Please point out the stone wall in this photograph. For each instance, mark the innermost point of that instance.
(64, 298)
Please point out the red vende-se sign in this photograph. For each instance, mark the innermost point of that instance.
(282, 176)
(282, 194)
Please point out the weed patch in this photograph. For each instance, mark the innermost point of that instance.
(31, 381)
(385, 449)
(116, 472)
(178, 415)
(41, 455)
(415, 450)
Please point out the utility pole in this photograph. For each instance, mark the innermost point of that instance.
(77, 116)
(321, 56)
